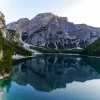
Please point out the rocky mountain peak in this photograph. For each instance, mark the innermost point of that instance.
(18, 25)
(52, 31)
(42, 19)
(48, 14)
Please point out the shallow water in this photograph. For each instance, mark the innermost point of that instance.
(53, 77)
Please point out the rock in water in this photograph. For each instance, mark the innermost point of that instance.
(55, 32)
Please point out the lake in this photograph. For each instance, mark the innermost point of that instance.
(53, 77)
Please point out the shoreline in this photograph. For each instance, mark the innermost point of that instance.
(18, 57)
(82, 55)
(4, 76)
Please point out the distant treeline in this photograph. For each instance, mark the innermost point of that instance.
(92, 50)
(47, 50)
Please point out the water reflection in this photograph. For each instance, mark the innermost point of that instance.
(5, 83)
(49, 72)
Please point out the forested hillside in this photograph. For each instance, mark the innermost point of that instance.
(93, 49)
(9, 49)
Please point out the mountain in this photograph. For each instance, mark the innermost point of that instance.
(8, 47)
(18, 26)
(9, 39)
(51, 31)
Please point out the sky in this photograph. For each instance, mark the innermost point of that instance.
(77, 11)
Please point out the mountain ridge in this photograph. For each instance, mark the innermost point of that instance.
(51, 31)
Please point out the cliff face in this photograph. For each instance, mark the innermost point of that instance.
(18, 27)
(8, 34)
(2, 24)
(55, 32)
(2, 20)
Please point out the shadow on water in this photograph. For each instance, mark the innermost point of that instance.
(49, 72)
(93, 62)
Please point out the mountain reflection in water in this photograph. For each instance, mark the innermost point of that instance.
(49, 72)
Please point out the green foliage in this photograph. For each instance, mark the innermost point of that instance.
(19, 49)
(6, 61)
(9, 48)
(5, 82)
(47, 50)
(93, 49)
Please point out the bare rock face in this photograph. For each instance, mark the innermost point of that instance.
(2, 20)
(2, 24)
(48, 30)
(87, 32)
(18, 26)
(43, 28)
(54, 32)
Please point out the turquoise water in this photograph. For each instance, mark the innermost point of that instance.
(54, 77)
